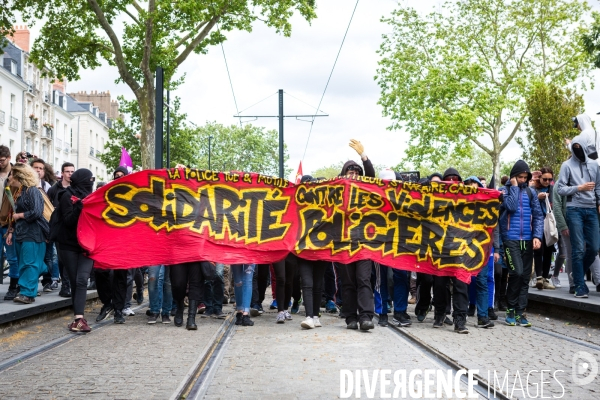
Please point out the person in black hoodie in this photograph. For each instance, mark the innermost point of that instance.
(77, 264)
(358, 306)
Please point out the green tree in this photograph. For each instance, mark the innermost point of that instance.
(591, 40)
(249, 148)
(329, 171)
(550, 111)
(458, 78)
(80, 34)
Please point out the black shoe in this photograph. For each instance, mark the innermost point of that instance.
(572, 290)
(254, 311)
(119, 319)
(12, 293)
(383, 320)
(91, 285)
(219, 315)
(260, 310)
(366, 325)
(152, 318)
(484, 323)
(139, 297)
(471, 311)
(190, 324)
(502, 304)
(232, 300)
(246, 321)
(438, 321)
(238, 318)
(401, 319)
(105, 312)
(460, 325)
(421, 315)
(448, 321)
(179, 314)
(165, 319)
(65, 291)
(352, 325)
(492, 314)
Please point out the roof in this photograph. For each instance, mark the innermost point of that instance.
(73, 105)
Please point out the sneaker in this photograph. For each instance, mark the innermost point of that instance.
(295, 308)
(539, 283)
(105, 312)
(201, 308)
(383, 320)
(118, 318)
(246, 321)
(128, 312)
(510, 317)
(208, 313)
(219, 315)
(238, 318)
(581, 294)
(254, 311)
(273, 305)
(571, 289)
(166, 319)
(260, 309)
(471, 311)
(401, 319)
(556, 281)
(47, 287)
(280, 319)
(438, 321)
(12, 293)
(308, 323)
(548, 285)
(317, 322)
(288, 316)
(421, 315)
(330, 307)
(152, 318)
(448, 321)
(65, 291)
(352, 325)
(139, 297)
(484, 323)
(232, 300)
(460, 327)
(521, 320)
(91, 285)
(79, 325)
(367, 325)
(28, 300)
(492, 314)
(412, 300)
(54, 285)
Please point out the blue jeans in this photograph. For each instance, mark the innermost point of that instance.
(583, 230)
(213, 292)
(401, 290)
(481, 289)
(31, 266)
(159, 290)
(380, 291)
(242, 283)
(11, 255)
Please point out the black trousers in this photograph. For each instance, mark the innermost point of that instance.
(358, 294)
(460, 296)
(424, 285)
(78, 268)
(543, 260)
(134, 275)
(260, 282)
(112, 287)
(284, 275)
(104, 286)
(333, 284)
(311, 273)
(187, 277)
(519, 260)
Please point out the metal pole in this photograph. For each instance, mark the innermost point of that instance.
(168, 129)
(209, 149)
(158, 122)
(281, 133)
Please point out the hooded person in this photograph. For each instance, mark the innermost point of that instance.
(120, 172)
(588, 134)
(579, 181)
(352, 168)
(451, 174)
(521, 229)
(77, 264)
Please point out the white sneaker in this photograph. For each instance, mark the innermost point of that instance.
(556, 281)
(317, 322)
(288, 316)
(308, 323)
(128, 312)
(280, 318)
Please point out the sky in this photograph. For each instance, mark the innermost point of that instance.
(261, 62)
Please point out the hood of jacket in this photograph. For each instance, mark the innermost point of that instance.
(580, 140)
(120, 169)
(451, 171)
(348, 164)
(520, 167)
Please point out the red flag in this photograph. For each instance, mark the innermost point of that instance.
(299, 173)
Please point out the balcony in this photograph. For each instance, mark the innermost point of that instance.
(32, 125)
(47, 97)
(67, 147)
(47, 133)
(58, 144)
(92, 152)
(14, 123)
(2, 117)
(97, 153)
(31, 89)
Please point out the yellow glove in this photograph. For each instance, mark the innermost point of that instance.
(358, 147)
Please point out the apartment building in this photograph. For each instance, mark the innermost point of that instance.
(12, 93)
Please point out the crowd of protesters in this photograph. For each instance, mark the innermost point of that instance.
(39, 215)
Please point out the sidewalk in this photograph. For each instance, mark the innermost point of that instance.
(561, 297)
(11, 311)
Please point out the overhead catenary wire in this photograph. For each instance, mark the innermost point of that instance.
(229, 76)
(330, 74)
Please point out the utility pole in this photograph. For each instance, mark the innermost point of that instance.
(281, 116)
(158, 122)
(168, 129)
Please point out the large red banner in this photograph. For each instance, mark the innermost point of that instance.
(180, 215)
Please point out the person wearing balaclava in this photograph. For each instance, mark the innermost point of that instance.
(588, 135)
(77, 264)
(579, 181)
(521, 229)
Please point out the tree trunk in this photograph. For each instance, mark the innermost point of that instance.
(496, 165)
(147, 104)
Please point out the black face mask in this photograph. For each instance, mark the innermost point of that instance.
(579, 153)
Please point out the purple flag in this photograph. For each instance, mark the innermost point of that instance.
(126, 160)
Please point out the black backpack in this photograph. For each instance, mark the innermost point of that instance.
(55, 220)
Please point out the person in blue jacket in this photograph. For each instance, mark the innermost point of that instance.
(521, 229)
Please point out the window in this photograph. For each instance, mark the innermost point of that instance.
(12, 146)
(13, 105)
(13, 68)
(28, 144)
(44, 152)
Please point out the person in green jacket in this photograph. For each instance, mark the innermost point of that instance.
(564, 241)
